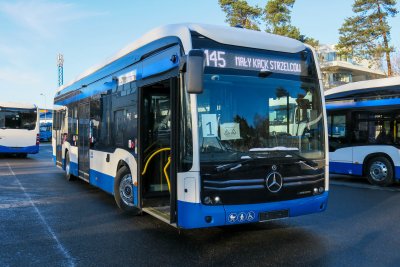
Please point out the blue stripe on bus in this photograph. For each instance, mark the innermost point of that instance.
(121, 63)
(16, 150)
(397, 172)
(362, 104)
(135, 195)
(345, 168)
(160, 66)
(163, 65)
(101, 180)
(193, 215)
(73, 167)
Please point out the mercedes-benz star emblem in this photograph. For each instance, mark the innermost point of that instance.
(274, 182)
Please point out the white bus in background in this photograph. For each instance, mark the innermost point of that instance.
(364, 129)
(19, 129)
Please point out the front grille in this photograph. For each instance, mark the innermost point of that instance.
(302, 180)
(232, 185)
(248, 184)
(273, 215)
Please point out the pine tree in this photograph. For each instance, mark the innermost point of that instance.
(278, 19)
(276, 14)
(239, 12)
(367, 34)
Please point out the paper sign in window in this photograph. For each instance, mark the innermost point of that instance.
(210, 125)
(230, 131)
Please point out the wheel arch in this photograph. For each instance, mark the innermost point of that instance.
(375, 155)
(121, 164)
(124, 158)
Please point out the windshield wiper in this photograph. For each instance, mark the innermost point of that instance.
(233, 166)
(287, 152)
(310, 163)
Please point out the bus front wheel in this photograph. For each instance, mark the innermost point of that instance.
(123, 191)
(380, 171)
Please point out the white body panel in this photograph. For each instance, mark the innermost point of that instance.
(361, 152)
(19, 137)
(357, 154)
(17, 105)
(342, 155)
(364, 85)
(72, 151)
(98, 162)
(188, 186)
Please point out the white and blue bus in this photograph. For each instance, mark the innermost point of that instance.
(178, 125)
(19, 129)
(364, 129)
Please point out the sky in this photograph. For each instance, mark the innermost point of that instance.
(87, 32)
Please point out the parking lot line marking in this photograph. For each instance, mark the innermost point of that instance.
(364, 186)
(64, 252)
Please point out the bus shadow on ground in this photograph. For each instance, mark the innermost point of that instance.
(277, 243)
(362, 182)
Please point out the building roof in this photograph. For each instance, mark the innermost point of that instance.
(17, 105)
(221, 34)
(335, 65)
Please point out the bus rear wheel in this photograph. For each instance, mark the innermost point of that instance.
(380, 171)
(123, 191)
(68, 174)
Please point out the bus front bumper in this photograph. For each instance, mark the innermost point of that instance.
(197, 215)
(19, 150)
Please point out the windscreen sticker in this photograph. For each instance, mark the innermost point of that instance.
(209, 124)
(230, 131)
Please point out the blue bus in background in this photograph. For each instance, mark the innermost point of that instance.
(45, 131)
(178, 125)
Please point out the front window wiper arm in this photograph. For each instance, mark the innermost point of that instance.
(310, 163)
(287, 152)
(232, 166)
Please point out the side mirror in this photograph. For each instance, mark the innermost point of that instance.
(195, 71)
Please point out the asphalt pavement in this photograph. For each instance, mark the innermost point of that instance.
(48, 221)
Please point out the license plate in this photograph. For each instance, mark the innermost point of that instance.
(273, 215)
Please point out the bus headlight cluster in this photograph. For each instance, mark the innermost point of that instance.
(212, 200)
(319, 190)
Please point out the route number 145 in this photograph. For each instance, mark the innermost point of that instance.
(215, 58)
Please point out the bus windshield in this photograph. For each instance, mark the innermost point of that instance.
(244, 116)
(14, 118)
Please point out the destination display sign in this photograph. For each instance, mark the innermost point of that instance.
(255, 61)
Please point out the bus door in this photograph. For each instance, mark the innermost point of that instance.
(83, 140)
(58, 123)
(157, 175)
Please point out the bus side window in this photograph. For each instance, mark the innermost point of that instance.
(119, 127)
(337, 131)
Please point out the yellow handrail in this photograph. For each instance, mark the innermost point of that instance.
(166, 165)
(166, 173)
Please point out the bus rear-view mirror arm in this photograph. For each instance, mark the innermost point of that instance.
(195, 71)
